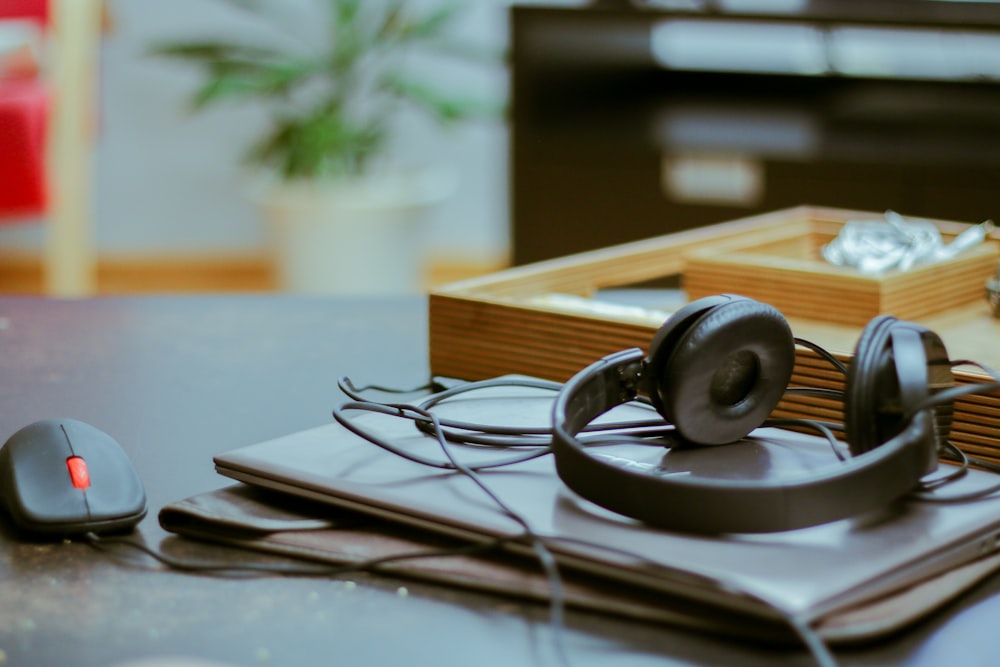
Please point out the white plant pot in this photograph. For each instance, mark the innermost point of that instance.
(364, 236)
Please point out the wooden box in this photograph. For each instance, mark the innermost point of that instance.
(784, 267)
(543, 319)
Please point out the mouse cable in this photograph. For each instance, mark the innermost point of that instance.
(807, 635)
(294, 569)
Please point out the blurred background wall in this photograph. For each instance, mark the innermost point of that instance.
(170, 182)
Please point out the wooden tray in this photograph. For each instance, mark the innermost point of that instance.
(784, 267)
(542, 319)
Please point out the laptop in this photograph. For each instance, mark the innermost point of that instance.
(808, 574)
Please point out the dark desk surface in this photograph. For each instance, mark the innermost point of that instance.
(178, 379)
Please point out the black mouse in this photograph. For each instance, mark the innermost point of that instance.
(63, 477)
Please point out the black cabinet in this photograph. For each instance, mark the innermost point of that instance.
(630, 120)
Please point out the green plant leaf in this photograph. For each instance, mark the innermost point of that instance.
(331, 106)
(318, 144)
(241, 71)
(209, 51)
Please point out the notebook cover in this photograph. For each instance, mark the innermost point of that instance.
(812, 573)
(257, 519)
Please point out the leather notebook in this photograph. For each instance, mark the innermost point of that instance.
(257, 519)
(859, 568)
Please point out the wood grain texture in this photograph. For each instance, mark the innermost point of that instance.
(494, 324)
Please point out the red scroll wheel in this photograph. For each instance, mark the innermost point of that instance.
(78, 472)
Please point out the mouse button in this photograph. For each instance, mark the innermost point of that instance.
(122, 497)
(79, 473)
(82, 435)
(36, 502)
(40, 488)
(38, 444)
(115, 489)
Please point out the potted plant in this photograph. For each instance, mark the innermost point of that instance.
(336, 209)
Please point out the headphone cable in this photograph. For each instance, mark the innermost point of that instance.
(807, 635)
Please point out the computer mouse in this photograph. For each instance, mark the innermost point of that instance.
(64, 477)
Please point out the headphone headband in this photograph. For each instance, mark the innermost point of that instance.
(859, 484)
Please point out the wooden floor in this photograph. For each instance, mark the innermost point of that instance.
(21, 273)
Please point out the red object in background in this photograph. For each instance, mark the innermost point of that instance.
(25, 9)
(23, 111)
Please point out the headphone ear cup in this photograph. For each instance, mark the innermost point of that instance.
(895, 367)
(665, 340)
(719, 370)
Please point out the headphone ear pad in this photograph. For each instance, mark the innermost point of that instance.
(870, 375)
(890, 374)
(719, 373)
(666, 338)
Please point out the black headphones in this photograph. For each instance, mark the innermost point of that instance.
(716, 370)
